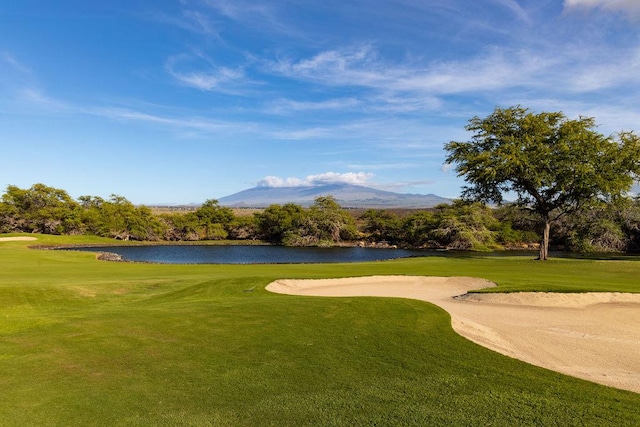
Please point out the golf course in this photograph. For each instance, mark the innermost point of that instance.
(95, 343)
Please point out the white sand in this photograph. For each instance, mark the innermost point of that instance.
(594, 336)
(15, 239)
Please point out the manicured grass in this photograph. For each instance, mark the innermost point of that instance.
(84, 342)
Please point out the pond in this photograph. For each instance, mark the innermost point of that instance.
(241, 254)
(257, 254)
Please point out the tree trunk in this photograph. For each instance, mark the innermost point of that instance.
(544, 246)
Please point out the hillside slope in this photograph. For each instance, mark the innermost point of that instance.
(348, 196)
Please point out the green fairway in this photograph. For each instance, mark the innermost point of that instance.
(86, 342)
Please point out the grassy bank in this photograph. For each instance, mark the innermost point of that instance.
(96, 343)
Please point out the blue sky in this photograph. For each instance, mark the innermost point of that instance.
(186, 100)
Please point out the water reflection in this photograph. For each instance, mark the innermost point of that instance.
(238, 254)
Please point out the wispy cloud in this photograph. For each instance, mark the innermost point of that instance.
(291, 106)
(373, 103)
(369, 133)
(16, 79)
(354, 66)
(384, 166)
(494, 69)
(199, 124)
(190, 20)
(10, 59)
(304, 133)
(213, 80)
(258, 15)
(390, 101)
(516, 9)
(411, 87)
(198, 72)
(35, 98)
(399, 85)
(199, 22)
(630, 7)
(623, 68)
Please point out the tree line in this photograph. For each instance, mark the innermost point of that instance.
(462, 225)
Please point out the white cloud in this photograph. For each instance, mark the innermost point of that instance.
(288, 105)
(354, 178)
(302, 133)
(624, 68)
(208, 81)
(369, 103)
(408, 87)
(214, 78)
(335, 67)
(36, 98)
(275, 181)
(193, 124)
(13, 62)
(403, 103)
(239, 10)
(447, 167)
(256, 15)
(493, 69)
(190, 20)
(198, 22)
(632, 7)
(516, 9)
(403, 165)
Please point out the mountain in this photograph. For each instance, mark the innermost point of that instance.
(348, 196)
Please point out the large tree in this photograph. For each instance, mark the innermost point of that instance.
(39, 209)
(552, 165)
(331, 223)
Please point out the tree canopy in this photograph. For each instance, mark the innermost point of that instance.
(551, 164)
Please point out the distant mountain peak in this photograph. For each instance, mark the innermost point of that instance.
(347, 195)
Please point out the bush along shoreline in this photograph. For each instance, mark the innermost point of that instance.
(461, 226)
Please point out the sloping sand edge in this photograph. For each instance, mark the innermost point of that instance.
(593, 336)
(16, 239)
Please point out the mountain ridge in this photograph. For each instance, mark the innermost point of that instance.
(347, 195)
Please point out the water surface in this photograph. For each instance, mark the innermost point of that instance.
(240, 254)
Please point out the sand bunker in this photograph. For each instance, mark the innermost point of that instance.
(15, 239)
(594, 336)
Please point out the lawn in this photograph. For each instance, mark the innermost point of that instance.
(85, 342)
